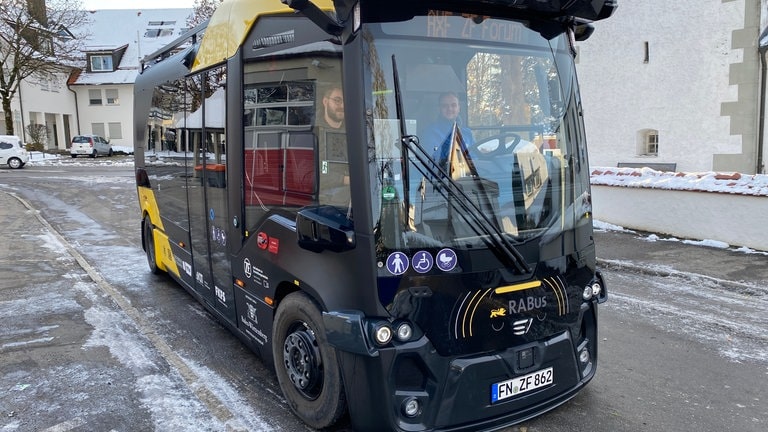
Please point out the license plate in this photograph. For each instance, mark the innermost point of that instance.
(522, 384)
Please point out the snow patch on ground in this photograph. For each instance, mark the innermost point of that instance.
(245, 418)
(172, 408)
(606, 227)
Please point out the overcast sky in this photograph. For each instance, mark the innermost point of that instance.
(136, 4)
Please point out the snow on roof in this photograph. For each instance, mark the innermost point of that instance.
(143, 30)
(732, 183)
(116, 77)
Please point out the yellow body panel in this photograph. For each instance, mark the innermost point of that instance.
(163, 250)
(231, 23)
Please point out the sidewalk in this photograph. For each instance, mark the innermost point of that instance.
(51, 315)
(636, 252)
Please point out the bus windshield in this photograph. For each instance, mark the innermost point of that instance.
(470, 133)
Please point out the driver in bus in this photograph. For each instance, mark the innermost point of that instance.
(437, 137)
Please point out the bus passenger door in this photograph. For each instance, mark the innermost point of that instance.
(208, 196)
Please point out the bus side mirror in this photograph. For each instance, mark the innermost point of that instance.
(324, 227)
(582, 32)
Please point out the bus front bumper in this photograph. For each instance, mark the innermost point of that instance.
(409, 387)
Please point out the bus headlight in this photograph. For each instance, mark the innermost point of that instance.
(596, 289)
(584, 356)
(587, 294)
(382, 334)
(404, 332)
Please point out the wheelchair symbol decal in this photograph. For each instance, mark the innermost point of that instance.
(422, 262)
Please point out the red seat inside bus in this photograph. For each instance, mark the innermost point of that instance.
(280, 177)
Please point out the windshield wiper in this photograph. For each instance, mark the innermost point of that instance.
(403, 150)
(467, 208)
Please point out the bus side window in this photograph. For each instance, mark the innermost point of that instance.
(262, 169)
(300, 173)
(334, 162)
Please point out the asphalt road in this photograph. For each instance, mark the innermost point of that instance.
(91, 341)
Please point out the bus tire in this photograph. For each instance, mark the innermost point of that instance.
(306, 365)
(149, 246)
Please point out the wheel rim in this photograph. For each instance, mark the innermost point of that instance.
(14, 163)
(302, 361)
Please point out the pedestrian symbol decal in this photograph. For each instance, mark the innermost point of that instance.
(422, 262)
(446, 260)
(397, 263)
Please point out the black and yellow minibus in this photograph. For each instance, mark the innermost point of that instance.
(388, 201)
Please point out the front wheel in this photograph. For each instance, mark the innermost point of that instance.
(148, 238)
(15, 163)
(306, 365)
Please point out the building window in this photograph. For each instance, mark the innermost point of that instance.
(97, 129)
(154, 33)
(43, 81)
(94, 97)
(112, 97)
(115, 131)
(159, 29)
(647, 51)
(101, 63)
(288, 104)
(648, 142)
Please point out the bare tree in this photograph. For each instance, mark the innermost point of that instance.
(37, 38)
(202, 10)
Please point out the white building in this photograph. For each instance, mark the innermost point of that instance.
(119, 40)
(98, 99)
(676, 85)
(44, 101)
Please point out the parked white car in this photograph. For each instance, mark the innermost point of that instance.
(12, 151)
(91, 146)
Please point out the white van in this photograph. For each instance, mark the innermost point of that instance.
(12, 151)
